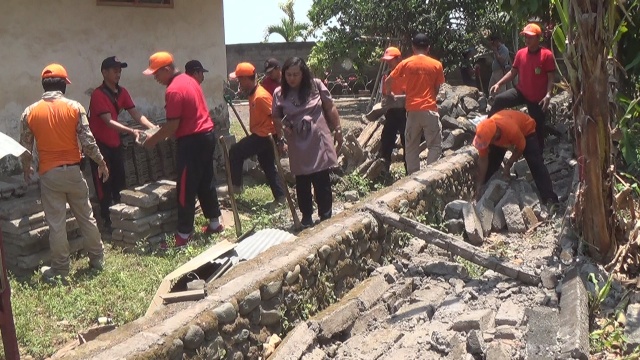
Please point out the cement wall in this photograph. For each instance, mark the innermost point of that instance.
(264, 296)
(79, 34)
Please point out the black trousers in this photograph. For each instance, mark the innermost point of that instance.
(195, 178)
(322, 190)
(108, 192)
(512, 98)
(260, 146)
(396, 123)
(533, 155)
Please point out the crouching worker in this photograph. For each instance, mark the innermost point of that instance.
(516, 131)
(260, 125)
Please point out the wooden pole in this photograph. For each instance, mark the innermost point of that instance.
(234, 206)
(451, 244)
(296, 220)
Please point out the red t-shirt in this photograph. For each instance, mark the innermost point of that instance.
(100, 104)
(532, 72)
(269, 84)
(185, 100)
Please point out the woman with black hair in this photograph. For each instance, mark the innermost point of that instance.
(304, 111)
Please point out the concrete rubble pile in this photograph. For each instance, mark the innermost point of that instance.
(24, 229)
(456, 104)
(146, 213)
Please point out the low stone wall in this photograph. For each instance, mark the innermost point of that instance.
(288, 282)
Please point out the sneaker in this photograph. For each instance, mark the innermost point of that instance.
(207, 230)
(178, 243)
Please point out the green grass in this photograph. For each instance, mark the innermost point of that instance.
(48, 316)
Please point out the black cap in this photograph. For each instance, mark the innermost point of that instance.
(193, 66)
(112, 62)
(420, 40)
(271, 64)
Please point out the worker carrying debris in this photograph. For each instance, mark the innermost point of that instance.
(515, 131)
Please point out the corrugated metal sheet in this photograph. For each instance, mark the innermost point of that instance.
(255, 244)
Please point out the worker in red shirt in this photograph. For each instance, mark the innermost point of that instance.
(516, 131)
(261, 127)
(107, 102)
(272, 75)
(535, 67)
(189, 121)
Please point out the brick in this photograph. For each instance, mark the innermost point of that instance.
(135, 226)
(513, 217)
(128, 212)
(34, 260)
(475, 320)
(495, 191)
(38, 238)
(17, 208)
(573, 334)
(138, 198)
(132, 238)
(472, 225)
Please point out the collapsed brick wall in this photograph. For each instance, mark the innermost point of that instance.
(289, 282)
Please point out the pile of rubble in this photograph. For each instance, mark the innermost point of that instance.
(456, 104)
(24, 229)
(513, 206)
(146, 213)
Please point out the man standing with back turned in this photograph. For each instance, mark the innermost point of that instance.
(423, 76)
(107, 101)
(58, 125)
(188, 119)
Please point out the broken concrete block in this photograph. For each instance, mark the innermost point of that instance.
(484, 209)
(475, 343)
(509, 314)
(455, 139)
(495, 191)
(527, 196)
(475, 320)
(521, 168)
(453, 210)
(513, 217)
(529, 216)
(472, 225)
(498, 223)
(632, 329)
(139, 198)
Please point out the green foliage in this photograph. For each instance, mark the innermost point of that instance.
(475, 271)
(352, 29)
(288, 28)
(629, 125)
(601, 293)
(609, 337)
(357, 182)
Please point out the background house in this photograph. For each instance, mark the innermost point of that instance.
(80, 33)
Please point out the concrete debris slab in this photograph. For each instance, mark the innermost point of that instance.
(573, 334)
(475, 320)
(472, 225)
(509, 314)
(632, 328)
(453, 210)
(513, 217)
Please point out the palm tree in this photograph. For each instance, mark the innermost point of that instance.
(288, 28)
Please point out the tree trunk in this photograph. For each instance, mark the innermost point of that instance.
(592, 114)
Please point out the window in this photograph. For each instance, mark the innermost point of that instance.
(148, 3)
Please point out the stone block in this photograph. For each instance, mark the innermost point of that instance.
(475, 320)
(16, 208)
(33, 261)
(529, 216)
(269, 316)
(455, 139)
(513, 217)
(445, 268)
(498, 351)
(297, 342)
(139, 198)
(454, 226)
(472, 225)
(453, 210)
(370, 291)
(485, 208)
(573, 334)
(521, 168)
(225, 313)
(194, 337)
(475, 343)
(134, 226)
(128, 212)
(499, 222)
(495, 191)
(270, 290)
(509, 314)
(469, 104)
(527, 196)
(336, 318)
(632, 328)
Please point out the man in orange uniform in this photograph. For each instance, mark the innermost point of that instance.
(423, 76)
(516, 131)
(59, 126)
(395, 117)
(260, 125)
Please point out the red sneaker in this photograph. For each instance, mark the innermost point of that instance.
(207, 230)
(178, 243)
